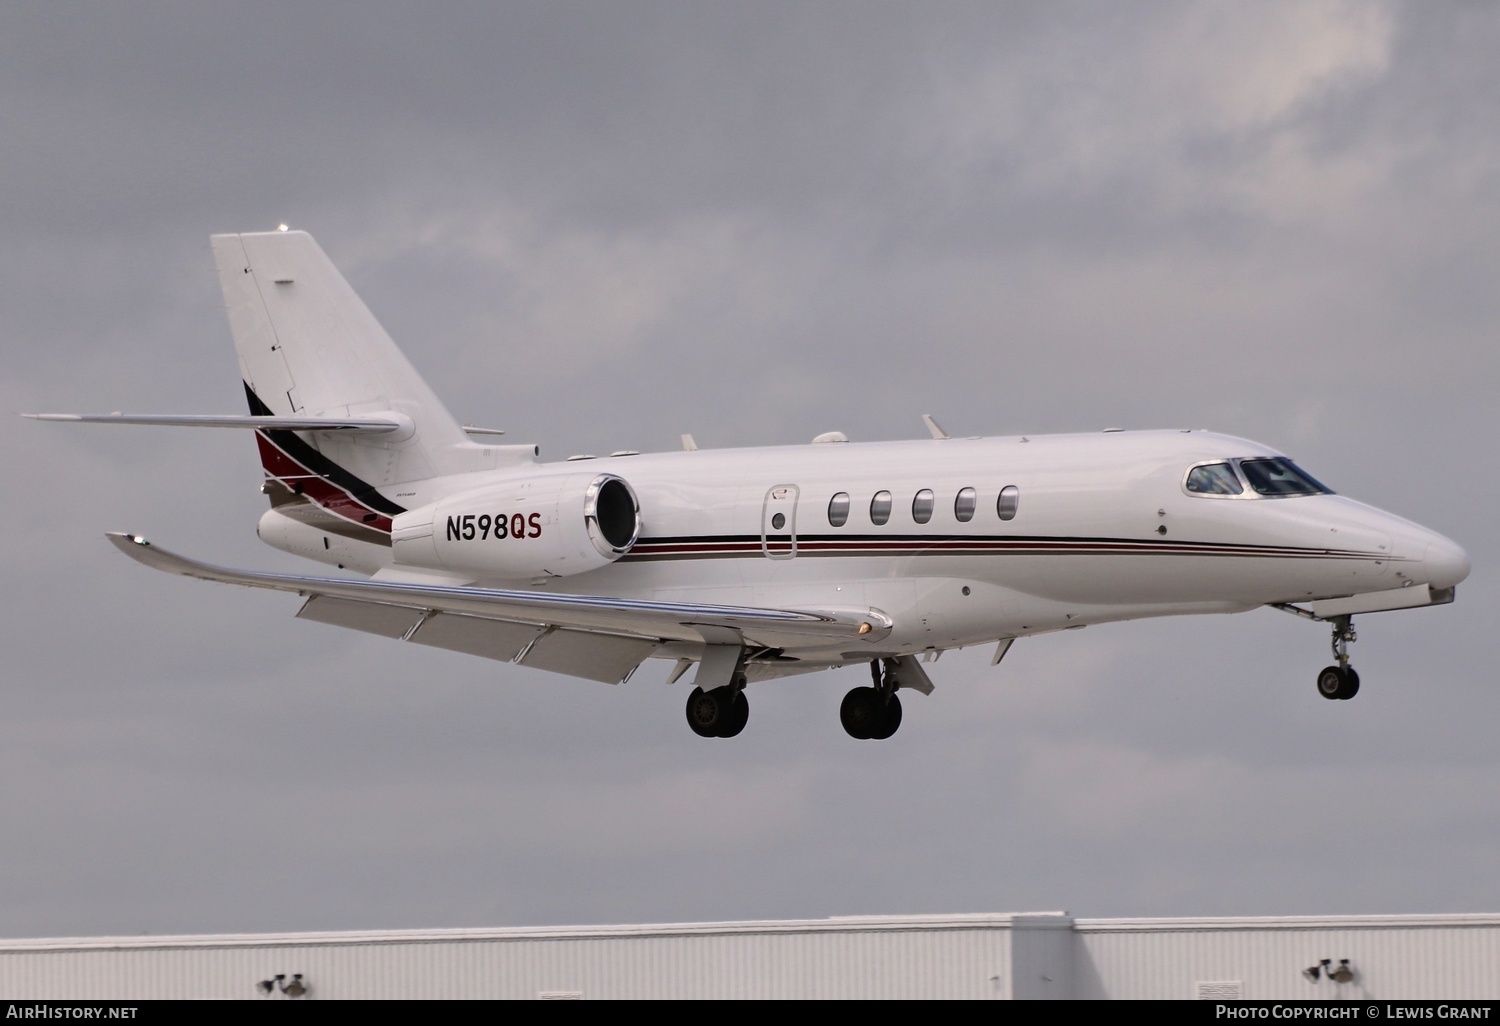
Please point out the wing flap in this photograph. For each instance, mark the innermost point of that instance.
(370, 617)
(602, 657)
(500, 640)
(645, 620)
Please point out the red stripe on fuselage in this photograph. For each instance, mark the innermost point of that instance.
(317, 488)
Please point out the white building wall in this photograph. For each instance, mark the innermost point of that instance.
(1412, 957)
(906, 957)
(1047, 955)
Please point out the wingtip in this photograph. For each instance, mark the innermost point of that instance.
(124, 540)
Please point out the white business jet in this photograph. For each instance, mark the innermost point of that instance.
(752, 564)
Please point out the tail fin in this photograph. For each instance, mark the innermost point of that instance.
(308, 346)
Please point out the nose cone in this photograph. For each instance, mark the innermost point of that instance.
(1445, 563)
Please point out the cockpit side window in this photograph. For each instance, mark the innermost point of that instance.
(1276, 476)
(1214, 479)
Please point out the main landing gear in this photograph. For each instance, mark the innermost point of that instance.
(720, 712)
(873, 712)
(867, 713)
(1340, 681)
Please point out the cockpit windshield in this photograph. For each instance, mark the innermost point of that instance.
(1276, 476)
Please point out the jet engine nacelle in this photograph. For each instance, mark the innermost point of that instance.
(534, 527)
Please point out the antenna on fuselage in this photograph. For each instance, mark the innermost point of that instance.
(933, 427)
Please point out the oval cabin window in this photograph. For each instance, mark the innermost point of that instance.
(838, 509)
(1010, 499)
(965, 504)
(921, 506)
(880, 508)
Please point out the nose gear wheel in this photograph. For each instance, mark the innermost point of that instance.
(1340, 682)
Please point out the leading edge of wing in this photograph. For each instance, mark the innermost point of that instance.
(641, 617)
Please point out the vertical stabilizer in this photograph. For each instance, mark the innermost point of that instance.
(309, 346)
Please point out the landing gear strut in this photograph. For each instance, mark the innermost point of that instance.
(720, 712)
(873, 713)
(1340, 681)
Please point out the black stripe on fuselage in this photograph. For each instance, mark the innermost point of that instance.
(289, 443)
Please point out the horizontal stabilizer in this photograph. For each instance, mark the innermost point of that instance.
(640, 618)
(379, 423)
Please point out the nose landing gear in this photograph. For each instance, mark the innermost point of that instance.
(873, 713)
(1340, 681)
(1337, 682)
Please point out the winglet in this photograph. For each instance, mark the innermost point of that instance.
(140, 550)
(146, 554)
(126, 542)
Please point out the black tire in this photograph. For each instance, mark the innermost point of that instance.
(737, 717)
(890, 719)
(1351, 684)
(860, 713)
(705, 712)
(1334, 683)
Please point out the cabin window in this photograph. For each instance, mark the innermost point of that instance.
(921, 506)
(880, 508)
(1214, 479)
(965, 504)
(1277, 476)
(838, 509)
(1008, 503)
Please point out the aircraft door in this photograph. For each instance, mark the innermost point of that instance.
(778, 522)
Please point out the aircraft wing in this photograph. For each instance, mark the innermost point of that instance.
(598, 637)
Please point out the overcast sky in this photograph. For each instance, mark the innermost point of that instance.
(600, 225)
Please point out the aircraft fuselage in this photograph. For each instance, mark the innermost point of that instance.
(1101, 527)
